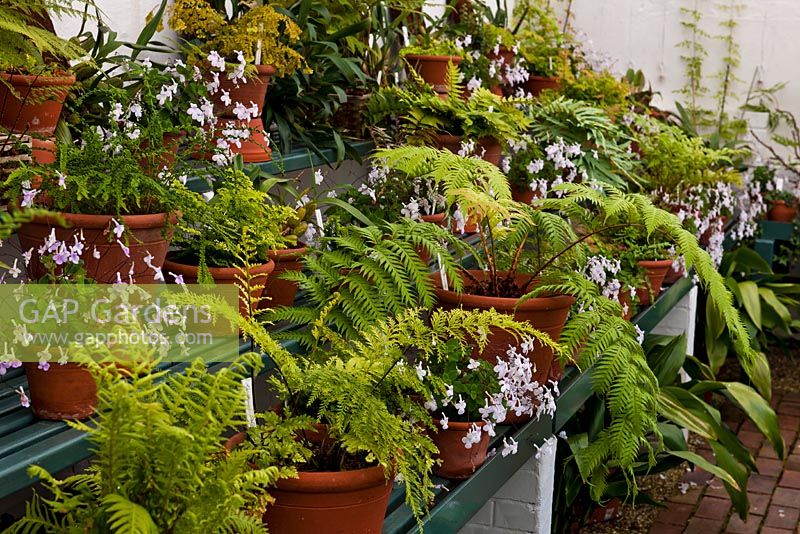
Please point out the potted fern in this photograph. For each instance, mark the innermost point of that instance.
(225, 237)
(118, 215)
(148, 422)
(34, 65)
(364, 394)
(240, 52)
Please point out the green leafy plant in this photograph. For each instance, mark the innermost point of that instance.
(373, 272)
(103, 176)
(237, 221)
(543, 44)
(159, 460)
(28, 41)
(602, 89)
(422, 114)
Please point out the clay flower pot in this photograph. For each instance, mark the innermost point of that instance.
(145, 235)
(343, 501)
(35, 104)
(655, 271)
(536, 84)
(282, 292)
(547, 314)
(225, 275)
(780, 211)
(43, 151)
(436, 218)
(673, 275)
(254, 149)
(525, 195)
(62, 392)
(433, 69)
(458, 462)
(489, 147)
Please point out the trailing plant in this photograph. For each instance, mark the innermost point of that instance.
(373, 272)
(159, 464)
(695, 89)
(236, 220)
(257, 34)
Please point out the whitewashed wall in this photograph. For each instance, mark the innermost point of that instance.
(639, 33)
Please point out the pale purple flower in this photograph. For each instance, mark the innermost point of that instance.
(178, 278)
(24, 401)
(118, 229)
(125, 250)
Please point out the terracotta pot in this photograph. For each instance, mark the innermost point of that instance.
(673, 275)
(62, 392)
(492, 152)
(43, 151)
(507, 57)
(344, 501)
(254, 149)
(547, 314)
(433, 69)
(436, 218)
(282, 292)
(252, 91)
(458, 462)
(170, 144)
(523, 195)
(605, 512)
(655, 272)
(780, 211)
(36, 106)
(536, 84)
(145, 234)
(490, 148)
(225, 275)
(627, 307)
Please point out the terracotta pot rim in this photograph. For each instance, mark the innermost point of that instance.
(134, 222)
(654, 263)
(434, 218)
(40, 80)
(227, 272)
(265, 70)
(458, 426)
(782, 203)
(427, 57)
(324, 481)
(543, 78)
(287, 254)
(555, 302)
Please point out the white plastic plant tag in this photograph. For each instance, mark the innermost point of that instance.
(249, 402)
(318, 215)
(405, 36)
(442, 274)
(379, 77)
(779, 183)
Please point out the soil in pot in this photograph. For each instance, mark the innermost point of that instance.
(352, 501)
(458, 462)
(433, 69)
(259, 274)
(655, 271)
(145, 235)
(62, 392)
(547, 314)
(780, 211)
(536, 84)
(34, 105)
(282, 292)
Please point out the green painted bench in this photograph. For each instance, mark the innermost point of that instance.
(771, 232)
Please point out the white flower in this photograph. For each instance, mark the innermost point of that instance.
(118, 229)
(639, 334)
(534, 167)
(444, 421)
(473, 436)
(146, 63)
(136, 109)
(15, 271)
(116, 112)
(421, 373)
(509, 447)
(178, 278)
(125, 250)
(96, 253)
(430, 405)
(208, 195)
(217, 61)
(28, 195)
(225, 98)
(473, 364)
(474, 84)
(318, 178)
(62, 179)
(461, 405)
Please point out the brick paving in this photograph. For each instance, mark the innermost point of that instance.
(774, 491)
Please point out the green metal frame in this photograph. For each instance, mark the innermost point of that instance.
(770, 232)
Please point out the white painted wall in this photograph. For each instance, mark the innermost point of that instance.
(638, 33)
(644, 34)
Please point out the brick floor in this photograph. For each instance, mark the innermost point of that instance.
(773, 491)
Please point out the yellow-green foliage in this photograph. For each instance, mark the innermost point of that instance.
(160, 464)
(197, 19)
(602, 89)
